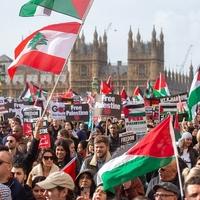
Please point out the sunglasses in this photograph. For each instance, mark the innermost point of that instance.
(2, 161)
(11, 141)
(48, 157)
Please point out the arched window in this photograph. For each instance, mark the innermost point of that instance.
(142, 70)
(84, 70)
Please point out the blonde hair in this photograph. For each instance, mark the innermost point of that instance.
(189, 173)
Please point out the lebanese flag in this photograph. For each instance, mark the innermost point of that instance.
(70, 168)
(46, 49)
(153, 151)
(161, 87)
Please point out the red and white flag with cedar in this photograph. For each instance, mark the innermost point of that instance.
(46, 49)
(70, 168)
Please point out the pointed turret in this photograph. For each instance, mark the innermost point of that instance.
(130, 39)
(100, 41)
(105, 37)
(83, 38)
(154, 34)
(161, 36)
(95, 40)
(138, 36)
(191, 73)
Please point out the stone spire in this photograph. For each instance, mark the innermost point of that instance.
(153, 39)
(130, 39)
(161, 36)
(95, 40)
(138, 36)
(83, 38)
(191, 74)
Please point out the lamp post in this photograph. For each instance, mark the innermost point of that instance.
(95, 85)
(2, 79)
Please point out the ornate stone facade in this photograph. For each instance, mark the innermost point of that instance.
(89, 65)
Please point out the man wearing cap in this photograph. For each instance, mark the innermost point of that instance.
(58, 186)
(168, 173)
(166, 190)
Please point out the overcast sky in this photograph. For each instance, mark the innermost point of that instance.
(179, 19)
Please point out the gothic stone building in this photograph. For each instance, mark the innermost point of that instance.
(89, 65)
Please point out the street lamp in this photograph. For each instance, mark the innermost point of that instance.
(95, 85)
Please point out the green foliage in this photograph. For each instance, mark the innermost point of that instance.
(38, 39)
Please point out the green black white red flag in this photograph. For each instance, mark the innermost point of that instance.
(194, 95)
(30, 9)
(46, 49)
(161, 87)
(137, 94)
(73, 8)
(153, 151)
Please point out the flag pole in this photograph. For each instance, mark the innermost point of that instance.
(55, 85)
(87, 11)
(176, 157)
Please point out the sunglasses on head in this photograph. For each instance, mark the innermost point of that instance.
(48, 157)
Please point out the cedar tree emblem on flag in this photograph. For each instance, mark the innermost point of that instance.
(38, 39)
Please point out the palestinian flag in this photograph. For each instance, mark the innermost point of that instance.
(161, 87)
(105, 88)
(137, 94)
(123, 94)
(136, 109)
(46, 49)
(33, 92)
(73, 8)
(153, 151)
(194, 95)
(70, 168)
(30, 9)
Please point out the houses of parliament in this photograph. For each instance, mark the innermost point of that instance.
(88, 65)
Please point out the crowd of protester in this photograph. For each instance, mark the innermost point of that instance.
(28, 172)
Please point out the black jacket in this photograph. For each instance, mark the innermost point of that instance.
(17, 190)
